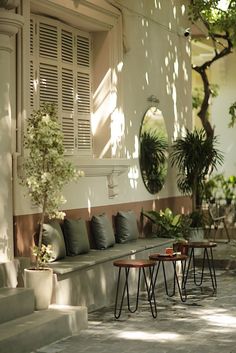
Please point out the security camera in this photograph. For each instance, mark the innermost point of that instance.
(187, 32)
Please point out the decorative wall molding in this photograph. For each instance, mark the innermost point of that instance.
(95, 167)
(92, 167)
(10, 23)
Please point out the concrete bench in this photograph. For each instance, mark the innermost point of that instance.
(90, 279)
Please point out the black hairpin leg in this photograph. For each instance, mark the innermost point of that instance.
(211, 269)
(182, 293)
(184, 282)
(117, 312)
(183, 297)
(149, 289)
(198, 282)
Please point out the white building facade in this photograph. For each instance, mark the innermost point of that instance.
(99, 62)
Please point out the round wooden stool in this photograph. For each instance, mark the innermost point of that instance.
(141, 265)
(161, 259)
(207, 259)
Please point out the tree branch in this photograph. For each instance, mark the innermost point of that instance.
(202, 70)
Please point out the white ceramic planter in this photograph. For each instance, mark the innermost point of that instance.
(41, 281)
(197, 234)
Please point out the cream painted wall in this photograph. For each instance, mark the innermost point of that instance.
(224, 74)
(157, 61)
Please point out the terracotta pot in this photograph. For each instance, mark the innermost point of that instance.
(41, 281)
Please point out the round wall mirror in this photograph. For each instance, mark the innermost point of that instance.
(153, 150)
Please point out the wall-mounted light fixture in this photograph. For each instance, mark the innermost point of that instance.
(184, 32)
(153, 99)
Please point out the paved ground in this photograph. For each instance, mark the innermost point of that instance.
(206, 323)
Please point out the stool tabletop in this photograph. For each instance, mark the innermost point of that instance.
(201, 244)
(166, 257)
(128, 263)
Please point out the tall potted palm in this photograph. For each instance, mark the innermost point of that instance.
(45, 173)
(196, 156)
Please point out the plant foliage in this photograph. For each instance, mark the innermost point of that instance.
(232, 113)
(220, 28)
(220, 187)
(153, 163)
(168, 224)
(45, 169)
(196, 156)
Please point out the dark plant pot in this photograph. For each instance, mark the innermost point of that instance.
(181, 247)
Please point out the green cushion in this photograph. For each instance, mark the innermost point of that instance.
(102, 231)
(52, 235)
(126, 226)
(76, 236)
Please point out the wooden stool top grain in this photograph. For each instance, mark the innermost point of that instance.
(130, 263)
(158, 257)
(201, 244)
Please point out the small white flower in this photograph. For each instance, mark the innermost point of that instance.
(45, 176)
(46, 118)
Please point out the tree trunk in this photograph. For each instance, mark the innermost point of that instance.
(203, 113)
(41, 229)
(202, 70)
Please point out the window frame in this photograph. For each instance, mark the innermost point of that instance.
(63, 77)
(102, 17)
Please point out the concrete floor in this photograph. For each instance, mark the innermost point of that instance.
(206, 323)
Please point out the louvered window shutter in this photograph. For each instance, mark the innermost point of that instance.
(83, 93)
(32, 66)
(60, 73)
(48, 63)
(68, 91)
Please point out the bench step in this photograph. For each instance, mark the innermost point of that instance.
(40, 328)
(15, 302)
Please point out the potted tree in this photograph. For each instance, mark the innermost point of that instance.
(45, 173)
(196, 156)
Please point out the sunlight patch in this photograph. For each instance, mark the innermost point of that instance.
(151, 337)
(221, 320)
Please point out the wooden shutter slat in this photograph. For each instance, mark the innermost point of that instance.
(83, 51)
(48, 84)
(48, 40)
(67, 46)
(67, 90)
(68, 132)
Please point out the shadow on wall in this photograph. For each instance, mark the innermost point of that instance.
(163, 54)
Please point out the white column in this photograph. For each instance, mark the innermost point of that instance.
(10, 23)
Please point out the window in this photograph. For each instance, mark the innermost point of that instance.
(60, 73)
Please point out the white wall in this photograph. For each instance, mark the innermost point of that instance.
(223, 73)
(157, 61)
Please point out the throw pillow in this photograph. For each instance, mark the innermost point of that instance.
(52, 235)
(76, 236)
(126, 226)
(102, 231)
